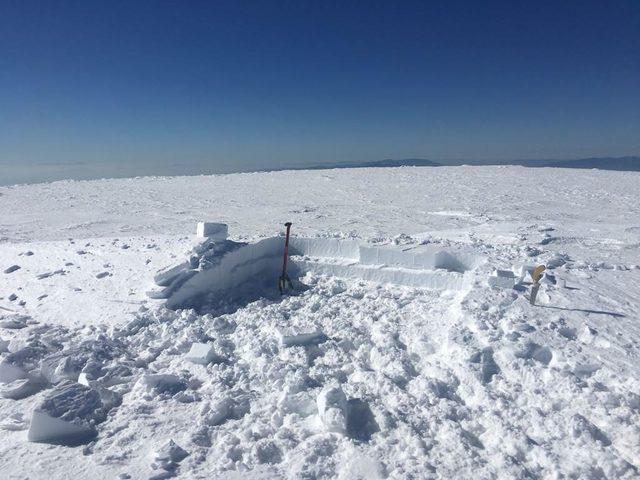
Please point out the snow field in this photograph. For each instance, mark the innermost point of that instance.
(468, 382)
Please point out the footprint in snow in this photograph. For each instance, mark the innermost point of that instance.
(489, 367)
(568, 333)
(536, 352)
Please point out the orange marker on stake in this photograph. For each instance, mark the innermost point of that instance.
(536, 276)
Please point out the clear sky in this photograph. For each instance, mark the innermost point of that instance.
(262, 84)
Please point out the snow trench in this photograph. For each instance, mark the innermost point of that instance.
(250, 269)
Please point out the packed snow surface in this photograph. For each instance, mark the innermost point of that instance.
(357, 373)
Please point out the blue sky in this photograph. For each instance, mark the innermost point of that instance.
(244, 85)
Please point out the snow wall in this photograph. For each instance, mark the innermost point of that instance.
(425, 266)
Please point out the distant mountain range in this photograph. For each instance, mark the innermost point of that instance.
(405, 162)
(602, 163)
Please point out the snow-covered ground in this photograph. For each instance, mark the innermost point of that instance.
(403, 382)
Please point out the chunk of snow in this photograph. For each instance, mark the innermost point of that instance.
(13, 322)
(301, 339)
(332, 409)
(227, 408)
(502, 279)
(21, 388)
(216, 231)
(524, 271)
(18, 364)
(201, 353)
(62, 366)
(168, 456)
(167, 275)
(83, 379)
(14, 423)
(68, 415)
(163, 383)
(557, 260)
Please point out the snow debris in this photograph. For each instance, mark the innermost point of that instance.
(502, 279)
(68, 415)
(301, 339)
(201, 353)
(332, 409)
(557, 260)
(14, 321)
(22, 362)
(42, 276)
(14, 422)
(167, 457)
(163, 383)
(12, 269)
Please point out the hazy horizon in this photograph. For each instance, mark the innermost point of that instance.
(48, 172)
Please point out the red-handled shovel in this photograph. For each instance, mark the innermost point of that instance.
(284, 278)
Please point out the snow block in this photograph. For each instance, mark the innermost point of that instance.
(166, 276)
(62, 366)
(201, 353)
(18, 364)
(502, 279)
(168, 456)
(21, 388)
(13, 321)
(67, 416)
(332, 409)
(216, 231)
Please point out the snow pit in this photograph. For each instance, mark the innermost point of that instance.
(217, 268)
